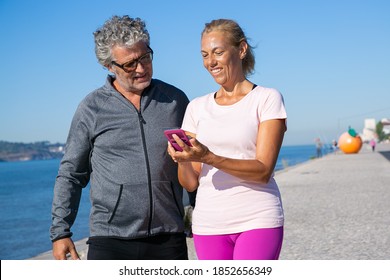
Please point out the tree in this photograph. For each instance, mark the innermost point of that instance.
(379, 131)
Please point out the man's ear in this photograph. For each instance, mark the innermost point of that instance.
(109, 68)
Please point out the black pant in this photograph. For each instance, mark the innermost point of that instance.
(192, 198)
(160, 247)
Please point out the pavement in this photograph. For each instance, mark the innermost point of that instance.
(336, 208)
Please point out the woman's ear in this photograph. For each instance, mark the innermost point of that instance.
(243, 49)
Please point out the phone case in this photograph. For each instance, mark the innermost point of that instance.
(181, 134)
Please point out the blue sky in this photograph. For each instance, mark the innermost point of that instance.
(330, 59)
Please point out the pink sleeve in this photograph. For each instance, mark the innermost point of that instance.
(272, 106)
(190, 122)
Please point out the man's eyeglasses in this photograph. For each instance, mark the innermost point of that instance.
(132, 65)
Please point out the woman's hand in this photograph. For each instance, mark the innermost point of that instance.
(188, 161)
(195, 153)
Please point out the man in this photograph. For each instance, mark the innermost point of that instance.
(116, 142)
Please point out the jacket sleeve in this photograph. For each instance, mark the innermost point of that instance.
(73, 174)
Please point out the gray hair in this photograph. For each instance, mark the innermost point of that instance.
(118, 31)
(236, 35)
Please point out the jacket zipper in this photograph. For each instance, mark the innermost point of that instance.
(142, 121)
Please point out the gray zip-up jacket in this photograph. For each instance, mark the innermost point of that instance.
(122, 152)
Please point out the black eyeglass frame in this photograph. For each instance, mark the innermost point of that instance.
(136, 61)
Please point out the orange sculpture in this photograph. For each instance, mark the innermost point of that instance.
(350, 142)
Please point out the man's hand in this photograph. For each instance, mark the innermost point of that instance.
(63, 247)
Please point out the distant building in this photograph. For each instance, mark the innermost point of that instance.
(369, 130)
(56, 149)
(386, 125)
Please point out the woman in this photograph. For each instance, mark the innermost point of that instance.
(236, 135)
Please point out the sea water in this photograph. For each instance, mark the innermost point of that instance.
(26, 193)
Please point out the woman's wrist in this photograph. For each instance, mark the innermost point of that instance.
(184, 164)
(207, 156)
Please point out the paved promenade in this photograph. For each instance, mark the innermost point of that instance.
(336, 208)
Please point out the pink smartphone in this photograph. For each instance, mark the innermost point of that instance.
(181, 134)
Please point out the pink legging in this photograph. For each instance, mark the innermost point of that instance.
(256, 244)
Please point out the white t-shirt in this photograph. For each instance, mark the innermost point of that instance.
(224, 203)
